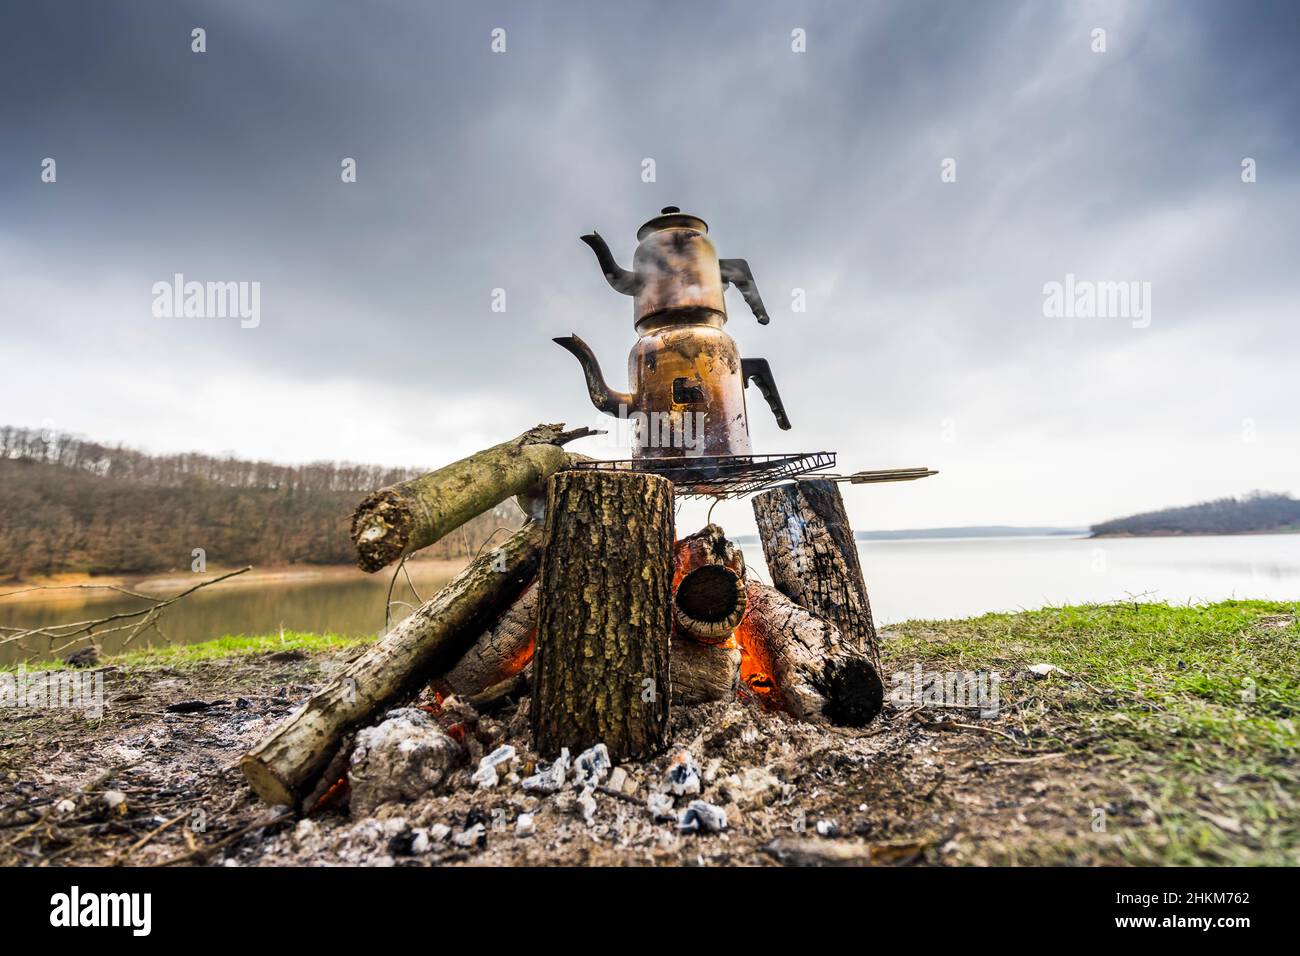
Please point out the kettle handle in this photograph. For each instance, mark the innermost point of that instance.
(736, 271)
(761, 373)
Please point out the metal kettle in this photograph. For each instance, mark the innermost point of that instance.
(686, 377)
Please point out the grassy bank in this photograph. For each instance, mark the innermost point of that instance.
(1188, 716)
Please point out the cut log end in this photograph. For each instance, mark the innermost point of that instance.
(265, 783)
(855, 693)
(381, 529)
(710, 602)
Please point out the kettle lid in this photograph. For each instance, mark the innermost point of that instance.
(670, 217)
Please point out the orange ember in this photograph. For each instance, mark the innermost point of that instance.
(520, 660)
(756, 666)
(332, 797)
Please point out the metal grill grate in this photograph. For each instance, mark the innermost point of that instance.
(720, 476)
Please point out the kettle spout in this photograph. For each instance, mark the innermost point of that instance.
(620, 279)
(603, 397)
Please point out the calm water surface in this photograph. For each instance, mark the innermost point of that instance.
(906, 580)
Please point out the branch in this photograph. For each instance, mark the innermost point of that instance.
(138, 621)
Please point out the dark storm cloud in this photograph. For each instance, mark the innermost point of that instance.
(479, 171)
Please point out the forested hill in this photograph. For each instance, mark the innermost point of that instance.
(67, 504)
(1256, 513)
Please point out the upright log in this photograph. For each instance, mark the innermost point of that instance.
(283, 768)
(813, 558)
(600, 673)
(405, 517)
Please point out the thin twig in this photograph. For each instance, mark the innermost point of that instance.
(70, 587)
(81, 630)
(953, 725)
(149, 836)
(204, 852)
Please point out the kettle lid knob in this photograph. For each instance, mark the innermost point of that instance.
(668, 210)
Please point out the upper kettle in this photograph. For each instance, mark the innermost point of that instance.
(676, 272)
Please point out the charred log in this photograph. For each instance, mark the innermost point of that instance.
(502, 693)
(813, 558)
(703, 672)
(795, 661)
(500, 652)
(708, 586)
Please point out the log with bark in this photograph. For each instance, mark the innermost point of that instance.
(798, 662)
(405, 517)
(284, 767)
(600, 672)
(703, 672)
(813, 558)
(708, 586)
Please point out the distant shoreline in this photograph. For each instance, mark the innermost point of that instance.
(1192, 534)
(77, 586)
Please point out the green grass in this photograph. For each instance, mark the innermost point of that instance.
(1195, 709)
(232, 645)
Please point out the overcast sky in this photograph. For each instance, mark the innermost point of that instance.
(924, 341)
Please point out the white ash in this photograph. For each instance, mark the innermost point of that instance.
(592, 765)
(524, 825)
(551, 779)
(827, 828)
(1045, 670)
(660, 806)
(586, 805)
(400, 759)
(701, 816)
(493, 767)
(751, 787)
(682, 778)
(471, 835)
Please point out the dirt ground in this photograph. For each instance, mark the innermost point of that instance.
(145, 785)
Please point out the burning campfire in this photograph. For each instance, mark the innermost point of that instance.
(594, 619)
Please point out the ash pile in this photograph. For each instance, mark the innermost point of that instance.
(441, 784)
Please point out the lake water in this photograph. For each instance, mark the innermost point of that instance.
(906, 580)
(915, 579)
